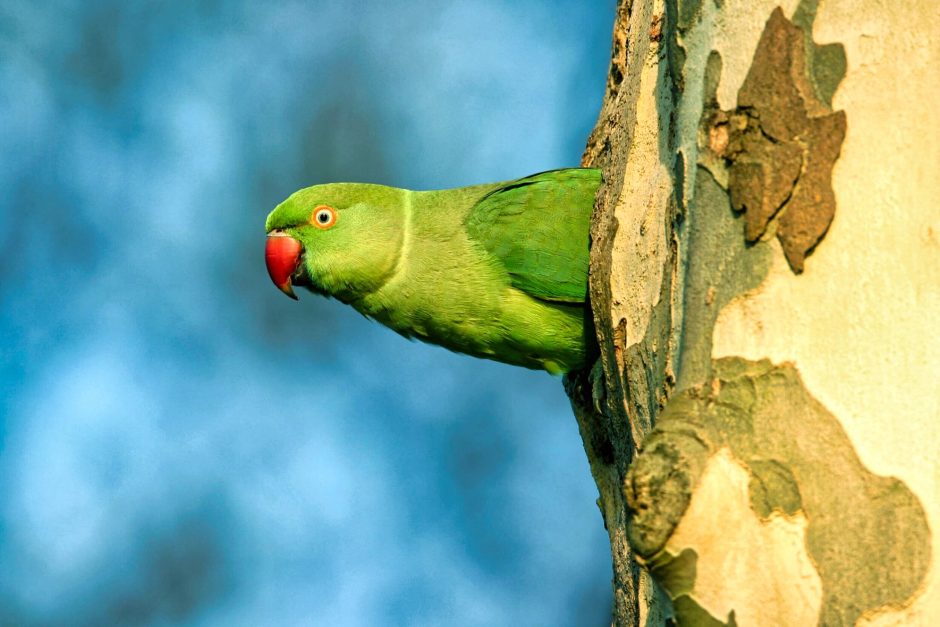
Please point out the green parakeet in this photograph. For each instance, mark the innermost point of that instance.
(497, 271)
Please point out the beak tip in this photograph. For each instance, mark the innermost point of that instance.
(282, 256)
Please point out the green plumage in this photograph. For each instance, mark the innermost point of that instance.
(496, 271)
(538, 227)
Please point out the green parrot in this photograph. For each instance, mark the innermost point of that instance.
(497, 271)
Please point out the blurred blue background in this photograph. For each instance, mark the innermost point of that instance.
(179, 442)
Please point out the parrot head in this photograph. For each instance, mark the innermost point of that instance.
(339, 239)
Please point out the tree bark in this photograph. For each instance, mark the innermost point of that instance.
(764, 418)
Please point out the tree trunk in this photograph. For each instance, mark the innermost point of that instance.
(764, 420)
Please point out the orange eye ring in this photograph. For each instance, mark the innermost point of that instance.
(323, 217)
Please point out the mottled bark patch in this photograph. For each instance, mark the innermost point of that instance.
(801, 460)
(694, 615)
(721, 266)
(782, 140)
(676, 573)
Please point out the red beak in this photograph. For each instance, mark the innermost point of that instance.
(282, 256)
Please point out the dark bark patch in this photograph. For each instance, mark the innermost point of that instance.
(691, 614)
(773, 489)
(826, 64)
(720, 267)
(689, 11)
(783, 140)
(659, 485)
(676, 573)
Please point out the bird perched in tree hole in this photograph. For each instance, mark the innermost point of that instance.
(497, 271)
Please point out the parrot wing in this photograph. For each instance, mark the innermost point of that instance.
(538, 227)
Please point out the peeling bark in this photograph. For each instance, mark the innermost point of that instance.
(782, 143)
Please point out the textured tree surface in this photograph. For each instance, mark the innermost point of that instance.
(764, 418)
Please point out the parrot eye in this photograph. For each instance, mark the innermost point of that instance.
(323, 217)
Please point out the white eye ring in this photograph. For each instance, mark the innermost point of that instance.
(323, 217)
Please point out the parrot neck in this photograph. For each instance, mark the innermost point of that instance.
(407, 233)
(384, 264)
(434, 242)
(383, 260)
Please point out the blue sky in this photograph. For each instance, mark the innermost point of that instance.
(182, 445)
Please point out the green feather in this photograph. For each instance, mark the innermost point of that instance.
(538, 228)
